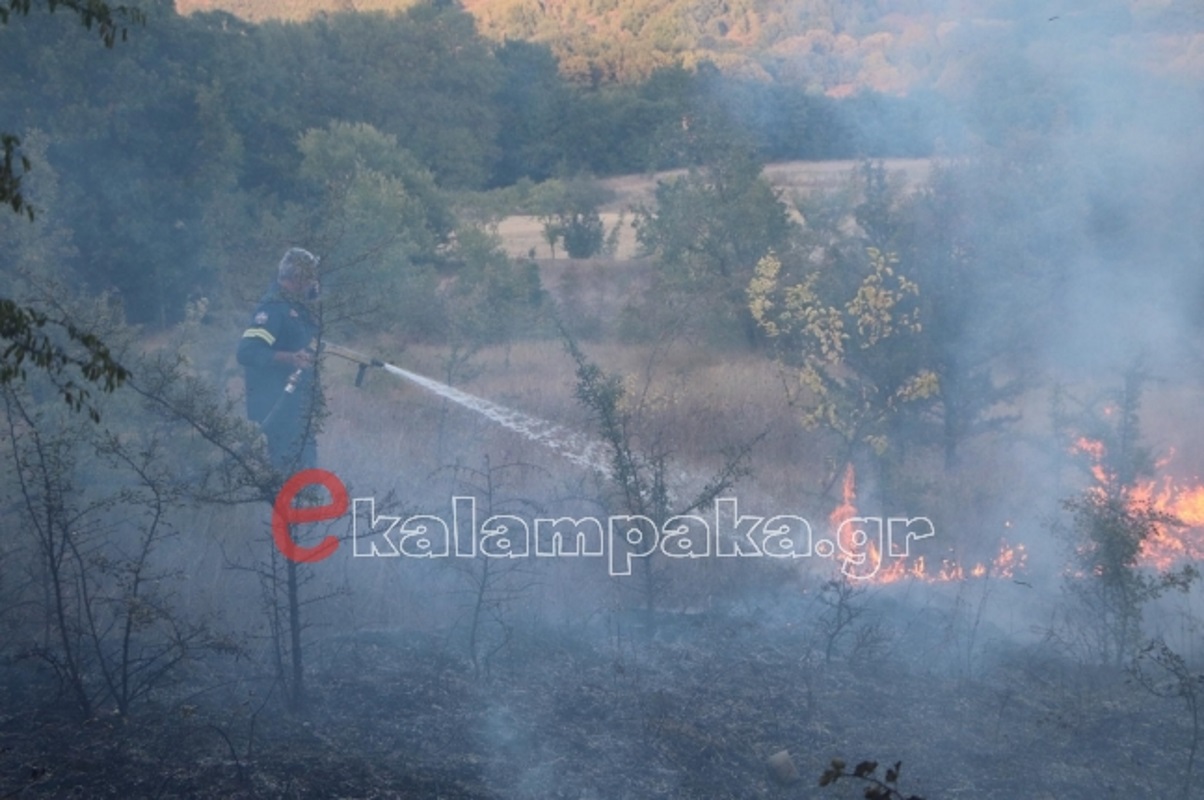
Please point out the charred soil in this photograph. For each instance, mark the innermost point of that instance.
(694, 706)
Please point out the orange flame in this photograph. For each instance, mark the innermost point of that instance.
(1169, 545)
(848, 502)
(1008, 562)
(1094, 450)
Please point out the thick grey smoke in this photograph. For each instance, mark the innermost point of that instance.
(1088, 94)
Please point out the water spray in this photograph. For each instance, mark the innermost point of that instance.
(575, 446)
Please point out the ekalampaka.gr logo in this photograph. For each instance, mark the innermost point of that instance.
(859, 544)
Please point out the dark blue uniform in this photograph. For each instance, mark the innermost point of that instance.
(281, 325)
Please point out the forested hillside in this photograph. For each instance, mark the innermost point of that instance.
(217, 129)
(824, 45)
(164, 164)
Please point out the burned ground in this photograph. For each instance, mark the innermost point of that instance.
(692, 706)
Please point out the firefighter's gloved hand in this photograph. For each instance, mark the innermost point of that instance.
(300, 359)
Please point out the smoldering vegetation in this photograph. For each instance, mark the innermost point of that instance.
(1005, 345)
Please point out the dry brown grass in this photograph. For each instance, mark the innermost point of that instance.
(523, 234)
(631, 191)
(692, 404)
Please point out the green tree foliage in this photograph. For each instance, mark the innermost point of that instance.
(1110, 528)
(393, 257)
(204, 142)
(180, 152)
(611, 129)
(989, 265)
(820, 45)
(423, 76)
(23, 329)
(570, 215)
(109, 20)
(583, 233)
(490, 299)
(122, 127)
(378, 219)
(965, 292)
(714, 223)
(535, 109)
(711, 226)
(11, 172)
(608, 40)
(975, 289)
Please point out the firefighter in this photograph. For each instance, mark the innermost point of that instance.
(277, 352)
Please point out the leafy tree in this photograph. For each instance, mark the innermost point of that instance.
(534, 108)
(1111, 522)
(109, 20)
(136, 191)
(1110, 529)
(423, 76)
(24, 329)
(711, 227)
(583, 234)
(491, 299)
(985, 239)
(608, 130)
(11, 171)
(963, 353)
(989, 267)
(377, 219)
(858, 369)
(571, 216)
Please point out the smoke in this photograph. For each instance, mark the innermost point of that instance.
(1072, 89)
(1075, 151)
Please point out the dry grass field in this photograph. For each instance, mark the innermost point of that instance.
(788, 176)
(523, 235)
(690, 400)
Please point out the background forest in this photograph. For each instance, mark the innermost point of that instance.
(219, 131)
(835, 259)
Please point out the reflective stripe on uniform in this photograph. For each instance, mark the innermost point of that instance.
(259, 333)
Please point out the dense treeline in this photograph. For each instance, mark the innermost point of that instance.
(823, 45)
(177, 156)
